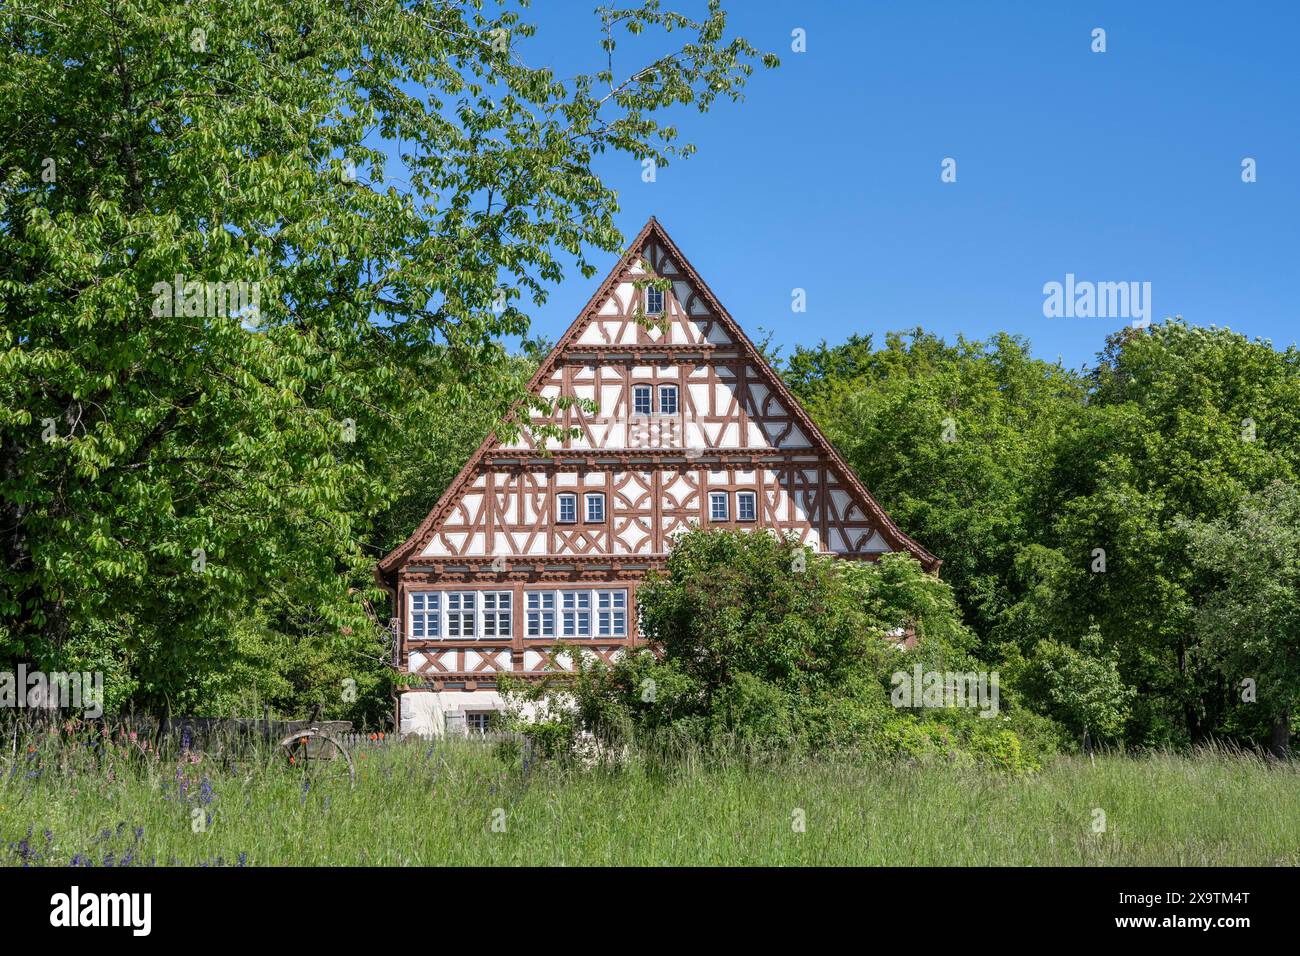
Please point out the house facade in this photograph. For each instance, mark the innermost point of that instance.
(681, 423)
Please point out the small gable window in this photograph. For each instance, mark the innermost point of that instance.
(642, 402)
(667, 399)
(654, 301)
(566, 509)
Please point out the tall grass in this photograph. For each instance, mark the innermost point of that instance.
(109, 802)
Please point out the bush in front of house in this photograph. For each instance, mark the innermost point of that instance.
(759, 643)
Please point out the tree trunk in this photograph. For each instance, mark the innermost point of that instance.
(1279, 744)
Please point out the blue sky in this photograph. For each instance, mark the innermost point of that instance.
(1115, 166)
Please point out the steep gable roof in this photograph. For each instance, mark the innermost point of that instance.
(654, 232)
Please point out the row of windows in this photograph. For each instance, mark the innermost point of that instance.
(566, 507)
(438, 615)
(643, 399)
(720, 506)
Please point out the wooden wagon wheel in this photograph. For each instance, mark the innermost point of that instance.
(319, 757)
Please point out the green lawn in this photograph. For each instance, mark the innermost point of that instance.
(415, 803)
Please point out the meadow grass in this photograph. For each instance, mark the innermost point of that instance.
(455, 803)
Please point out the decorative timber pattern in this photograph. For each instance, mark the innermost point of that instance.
(691, 427)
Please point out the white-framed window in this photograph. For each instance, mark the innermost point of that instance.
(595, 508)
(426, 615)
(566, 509)
(642, 400)
(654, 301)
(461, 606)
(575, 613)
(478, 722)
(584, 613)
(667, 399)
(717, 506)
(496, 613)
(611, 613)
(541, 613)
(746, 506)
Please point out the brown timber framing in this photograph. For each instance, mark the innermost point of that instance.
(737, 389)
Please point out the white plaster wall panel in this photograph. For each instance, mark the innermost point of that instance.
(699, 393)
(477, 544)
(424, 713)
(566, 479)
(755, 437)
(633, 538)
(594, 480)
(730, 437)
(840, 502)
(876, 544)
(678, 490)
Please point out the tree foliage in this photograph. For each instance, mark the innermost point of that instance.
(391, 184)
(1062, 500)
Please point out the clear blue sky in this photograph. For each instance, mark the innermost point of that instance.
(1115, 166)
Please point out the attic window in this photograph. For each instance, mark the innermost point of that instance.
(654, 301)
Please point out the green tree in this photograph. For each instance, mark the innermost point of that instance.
(1079, 687)
(172, 468)
(1181, 424)
(948, 438)
(1250, 619)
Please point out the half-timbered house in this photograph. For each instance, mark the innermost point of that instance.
(543, 541)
